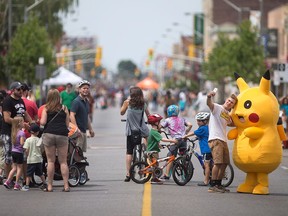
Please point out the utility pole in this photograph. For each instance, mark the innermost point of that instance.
(9, 20)
(261, 17)
(7, 70)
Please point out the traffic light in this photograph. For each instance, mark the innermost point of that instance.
(191, 51)
(59, 60)
(147, 63)
(169, 64)
(150, 53)
(97, 62)
(78, 65)
(98, 56)
(99, 53)
(104, 73)
(137, 72)
(92, 72)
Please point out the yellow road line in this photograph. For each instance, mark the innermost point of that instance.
(146, 203)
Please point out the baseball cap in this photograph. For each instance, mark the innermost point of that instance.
(15, 85)
(34, 128)
(25, 87)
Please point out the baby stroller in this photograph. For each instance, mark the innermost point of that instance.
(75, 154)
(76, 162)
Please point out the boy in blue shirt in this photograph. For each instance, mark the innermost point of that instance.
(202, 134)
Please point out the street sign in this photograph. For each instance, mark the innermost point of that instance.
(282, 67)
(40, 72)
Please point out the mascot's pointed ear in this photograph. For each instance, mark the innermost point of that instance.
(264, 85)
(242, 85)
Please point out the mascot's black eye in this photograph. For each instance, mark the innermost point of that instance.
(247, 104)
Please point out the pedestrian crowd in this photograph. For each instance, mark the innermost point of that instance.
(22, 124)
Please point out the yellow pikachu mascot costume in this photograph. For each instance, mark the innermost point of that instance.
(257, 148)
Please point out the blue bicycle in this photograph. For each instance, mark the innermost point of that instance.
(184, 165)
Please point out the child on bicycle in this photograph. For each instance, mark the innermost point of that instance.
(202, 133)
(178, 127)
(154, 139)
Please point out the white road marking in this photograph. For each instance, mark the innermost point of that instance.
(284, 167)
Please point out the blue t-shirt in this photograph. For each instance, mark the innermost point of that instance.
(80, 106)
(203, 133)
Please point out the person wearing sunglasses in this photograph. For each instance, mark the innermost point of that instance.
(13, 105)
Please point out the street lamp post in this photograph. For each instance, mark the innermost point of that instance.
(238, 9)
(27, 9)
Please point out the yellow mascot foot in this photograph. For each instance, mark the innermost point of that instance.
(245, 188)
(261, 190)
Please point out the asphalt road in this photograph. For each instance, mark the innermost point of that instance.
(107, 194)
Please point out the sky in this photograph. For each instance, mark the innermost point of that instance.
(126, 29)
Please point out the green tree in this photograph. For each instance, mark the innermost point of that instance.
(242, 55)
(30, 42)
(249, 55)
(49, 14)
(126, 69)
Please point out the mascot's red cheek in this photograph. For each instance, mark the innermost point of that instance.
(253, 117)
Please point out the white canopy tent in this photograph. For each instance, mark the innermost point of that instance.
(62, 76)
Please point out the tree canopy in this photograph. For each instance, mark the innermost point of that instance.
(30, 42)
(242, 54)
(126, 69)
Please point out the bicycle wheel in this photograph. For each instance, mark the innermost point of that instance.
(136, 154)
(74, 176)
(228, 176)
(182, 171)
(144, 156)
(189, 166)
(37, 180)
(83, 178)
(137, 175)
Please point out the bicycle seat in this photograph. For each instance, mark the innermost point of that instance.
(150, 152)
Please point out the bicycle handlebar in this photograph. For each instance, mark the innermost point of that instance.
(192, 140)
(124, 120)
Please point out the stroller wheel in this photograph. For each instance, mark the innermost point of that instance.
(83, 178)
(74, 176)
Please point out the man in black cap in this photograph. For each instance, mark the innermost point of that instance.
(12, 106)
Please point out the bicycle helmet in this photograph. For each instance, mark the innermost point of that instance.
(172, 110)
(201, 116)
(83, 82)
(154, 118)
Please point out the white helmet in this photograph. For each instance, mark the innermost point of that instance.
(83, 82)
(202, 116)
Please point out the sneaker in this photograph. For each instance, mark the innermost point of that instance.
(156, 181)
(7, 184)
(127, 179)
(202, 184)
(43, 186)
(164, 177)
(25, 188)
(216, 189)
(17, 187)
(223, 188)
